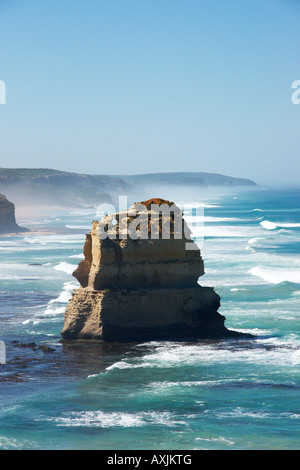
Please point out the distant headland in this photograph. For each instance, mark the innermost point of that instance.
(42, 186)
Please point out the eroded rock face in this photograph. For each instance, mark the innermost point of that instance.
(7, 217)
(144, 286)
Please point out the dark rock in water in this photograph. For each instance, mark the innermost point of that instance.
(46, 349)
(143, 287)
(7, 217)
(33, 346)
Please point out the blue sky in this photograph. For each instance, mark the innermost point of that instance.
(135, 86)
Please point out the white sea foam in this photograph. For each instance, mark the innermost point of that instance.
(53, 311)
(276, 275)
(41, 242)
(254, 240)
(83, 211)
(54, 239)
(170, 355)
(17, 444)
(103, 419)
(268, 225)
(54, 308)
(65, 267)
(226, 231)
(79, 256)
(203, 219)
(292, 341)
(223, 440)
(84, 227)
(273, 225)
(287, 224)
(160, 387)
(240, 412)
(64, 296)
(18, 271)
(125, 365)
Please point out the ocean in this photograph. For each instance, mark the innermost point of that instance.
(206, 395)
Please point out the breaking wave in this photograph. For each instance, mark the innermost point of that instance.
(65, 267)
(103, 419)
(276, 275)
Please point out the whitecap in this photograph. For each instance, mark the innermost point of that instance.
(55, 307)
(268, 225)
(240, 412)
(168, 355)
(287, 225)
(11, 443)
(276, 275)
(113, 419)
(254, 240)
(65, 267)
(54, 311)
(65, 295)
(63, 298)
(125, 365)
(291, 341)
(215, 439)
(295, 357)
(52, 239)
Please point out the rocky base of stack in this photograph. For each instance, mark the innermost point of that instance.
(130, 315)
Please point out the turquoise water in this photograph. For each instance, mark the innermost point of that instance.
(233, 394)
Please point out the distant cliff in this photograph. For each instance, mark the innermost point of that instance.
(49, 187)
(28, 186)
(187, 179)
(142, 286)
(7, 217)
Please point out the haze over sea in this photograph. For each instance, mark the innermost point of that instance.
(220, 394)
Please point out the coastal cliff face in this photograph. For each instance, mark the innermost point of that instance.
(143, 286)
(7, 217)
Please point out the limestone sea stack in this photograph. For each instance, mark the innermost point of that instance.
(7, 217)
(139, 281)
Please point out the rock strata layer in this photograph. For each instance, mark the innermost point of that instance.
(143, 285)
(7, 217)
